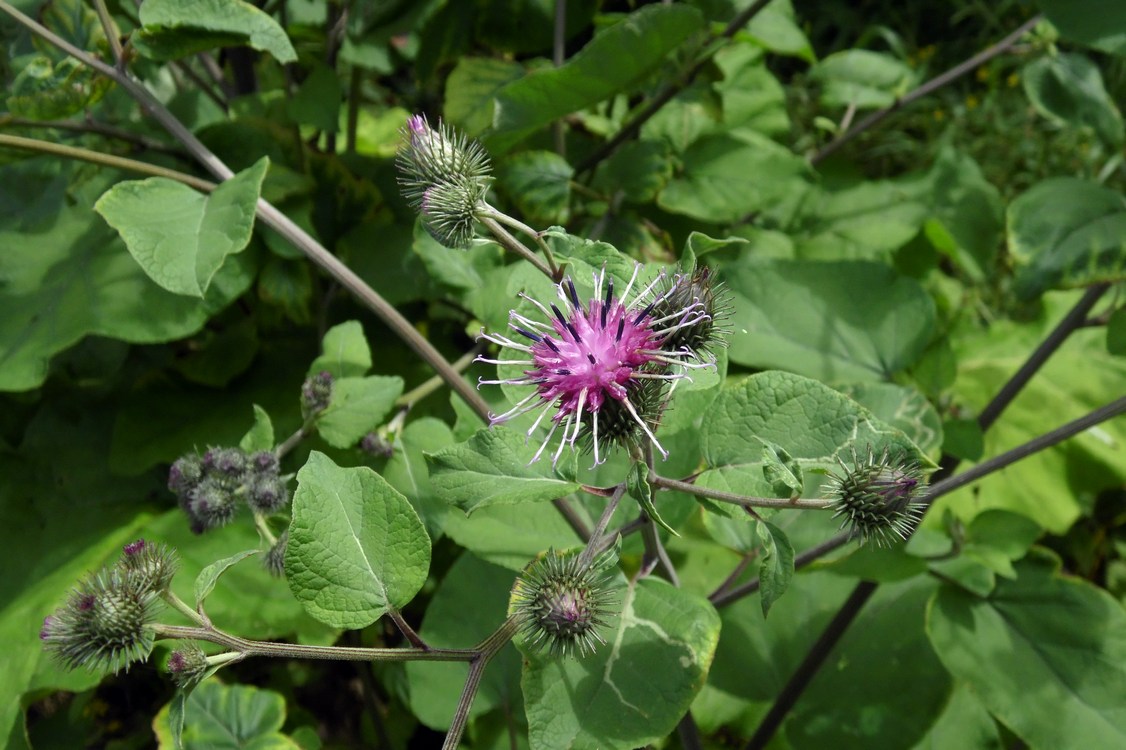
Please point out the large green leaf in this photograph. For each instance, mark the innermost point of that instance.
(842, 321)
(967, 214)
(868, 220)
(662, 637)
(863, 79)
(726, 178)
(179, 236)
(1068, 88)
(408, 472)
(613, 61)
(468, 606)
(1094, 23)
(356, 547)
(492, 468)
(1045, 654)
(228, 717)
(1065, 233)
(813, 423)
(75, 279)
(171, 29)
(470, 89)
(46, 90)
(358, 406)
(539, 183)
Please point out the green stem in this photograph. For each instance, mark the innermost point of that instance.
(510, 243)
(432, 384)
(264, 529)
(520, 226)
(301, 651)
(292, 441)
(110, 29)
(105, 160)
(742, 500)
(182, 607)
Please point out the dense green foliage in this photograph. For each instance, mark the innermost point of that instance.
(204, 246)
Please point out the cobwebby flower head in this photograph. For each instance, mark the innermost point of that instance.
(444, 176)
(592, 361)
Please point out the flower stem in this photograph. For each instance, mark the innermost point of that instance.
(506, 240)
(182, 607)
(264, 529)
(742, 500)
(301, 651)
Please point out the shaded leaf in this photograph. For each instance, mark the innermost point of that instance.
(179, 236)
(171, 29)
(1045, 654)
(492, 468)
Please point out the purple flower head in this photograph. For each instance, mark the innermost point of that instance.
(593, 357)
(134, 548)
(45, 631)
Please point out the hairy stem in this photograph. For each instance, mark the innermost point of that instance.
(301, 651)
(741, 500)
(513, 245)
(485, 652)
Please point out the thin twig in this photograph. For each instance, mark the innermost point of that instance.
(105, 160)
(408, 632)
(927, 88)
(94, 128)
(557, 52)
(302, 651)
(1074, 319)
(594, 539)
(671, 89)
(655, 550)
(745, 501)
(489, 648)
(110, 29)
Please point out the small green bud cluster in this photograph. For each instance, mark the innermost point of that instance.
(106, 623)
(316, 393)
(444, 176)
(561, 603)
(209, 486)
(880, 498)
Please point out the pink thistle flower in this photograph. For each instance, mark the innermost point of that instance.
(596, 356)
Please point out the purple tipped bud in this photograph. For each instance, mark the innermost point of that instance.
(375, 445)
(880, 499)
(134, 548)
(316, 393)
(106, 624)
(561, 605)
(148, 566)
(445, 177)
(187, 664)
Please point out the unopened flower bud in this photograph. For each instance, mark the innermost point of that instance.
(210, 506)
(274, 561)
(149, 566)
(265, 462)
(225, 462)
(187, 665)
(106, 624)
(879, 498)
(561, 605)
(444, 176)
(267, 494)
(185, 474)
(697, 306)
(375, 444)
(316, 393)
